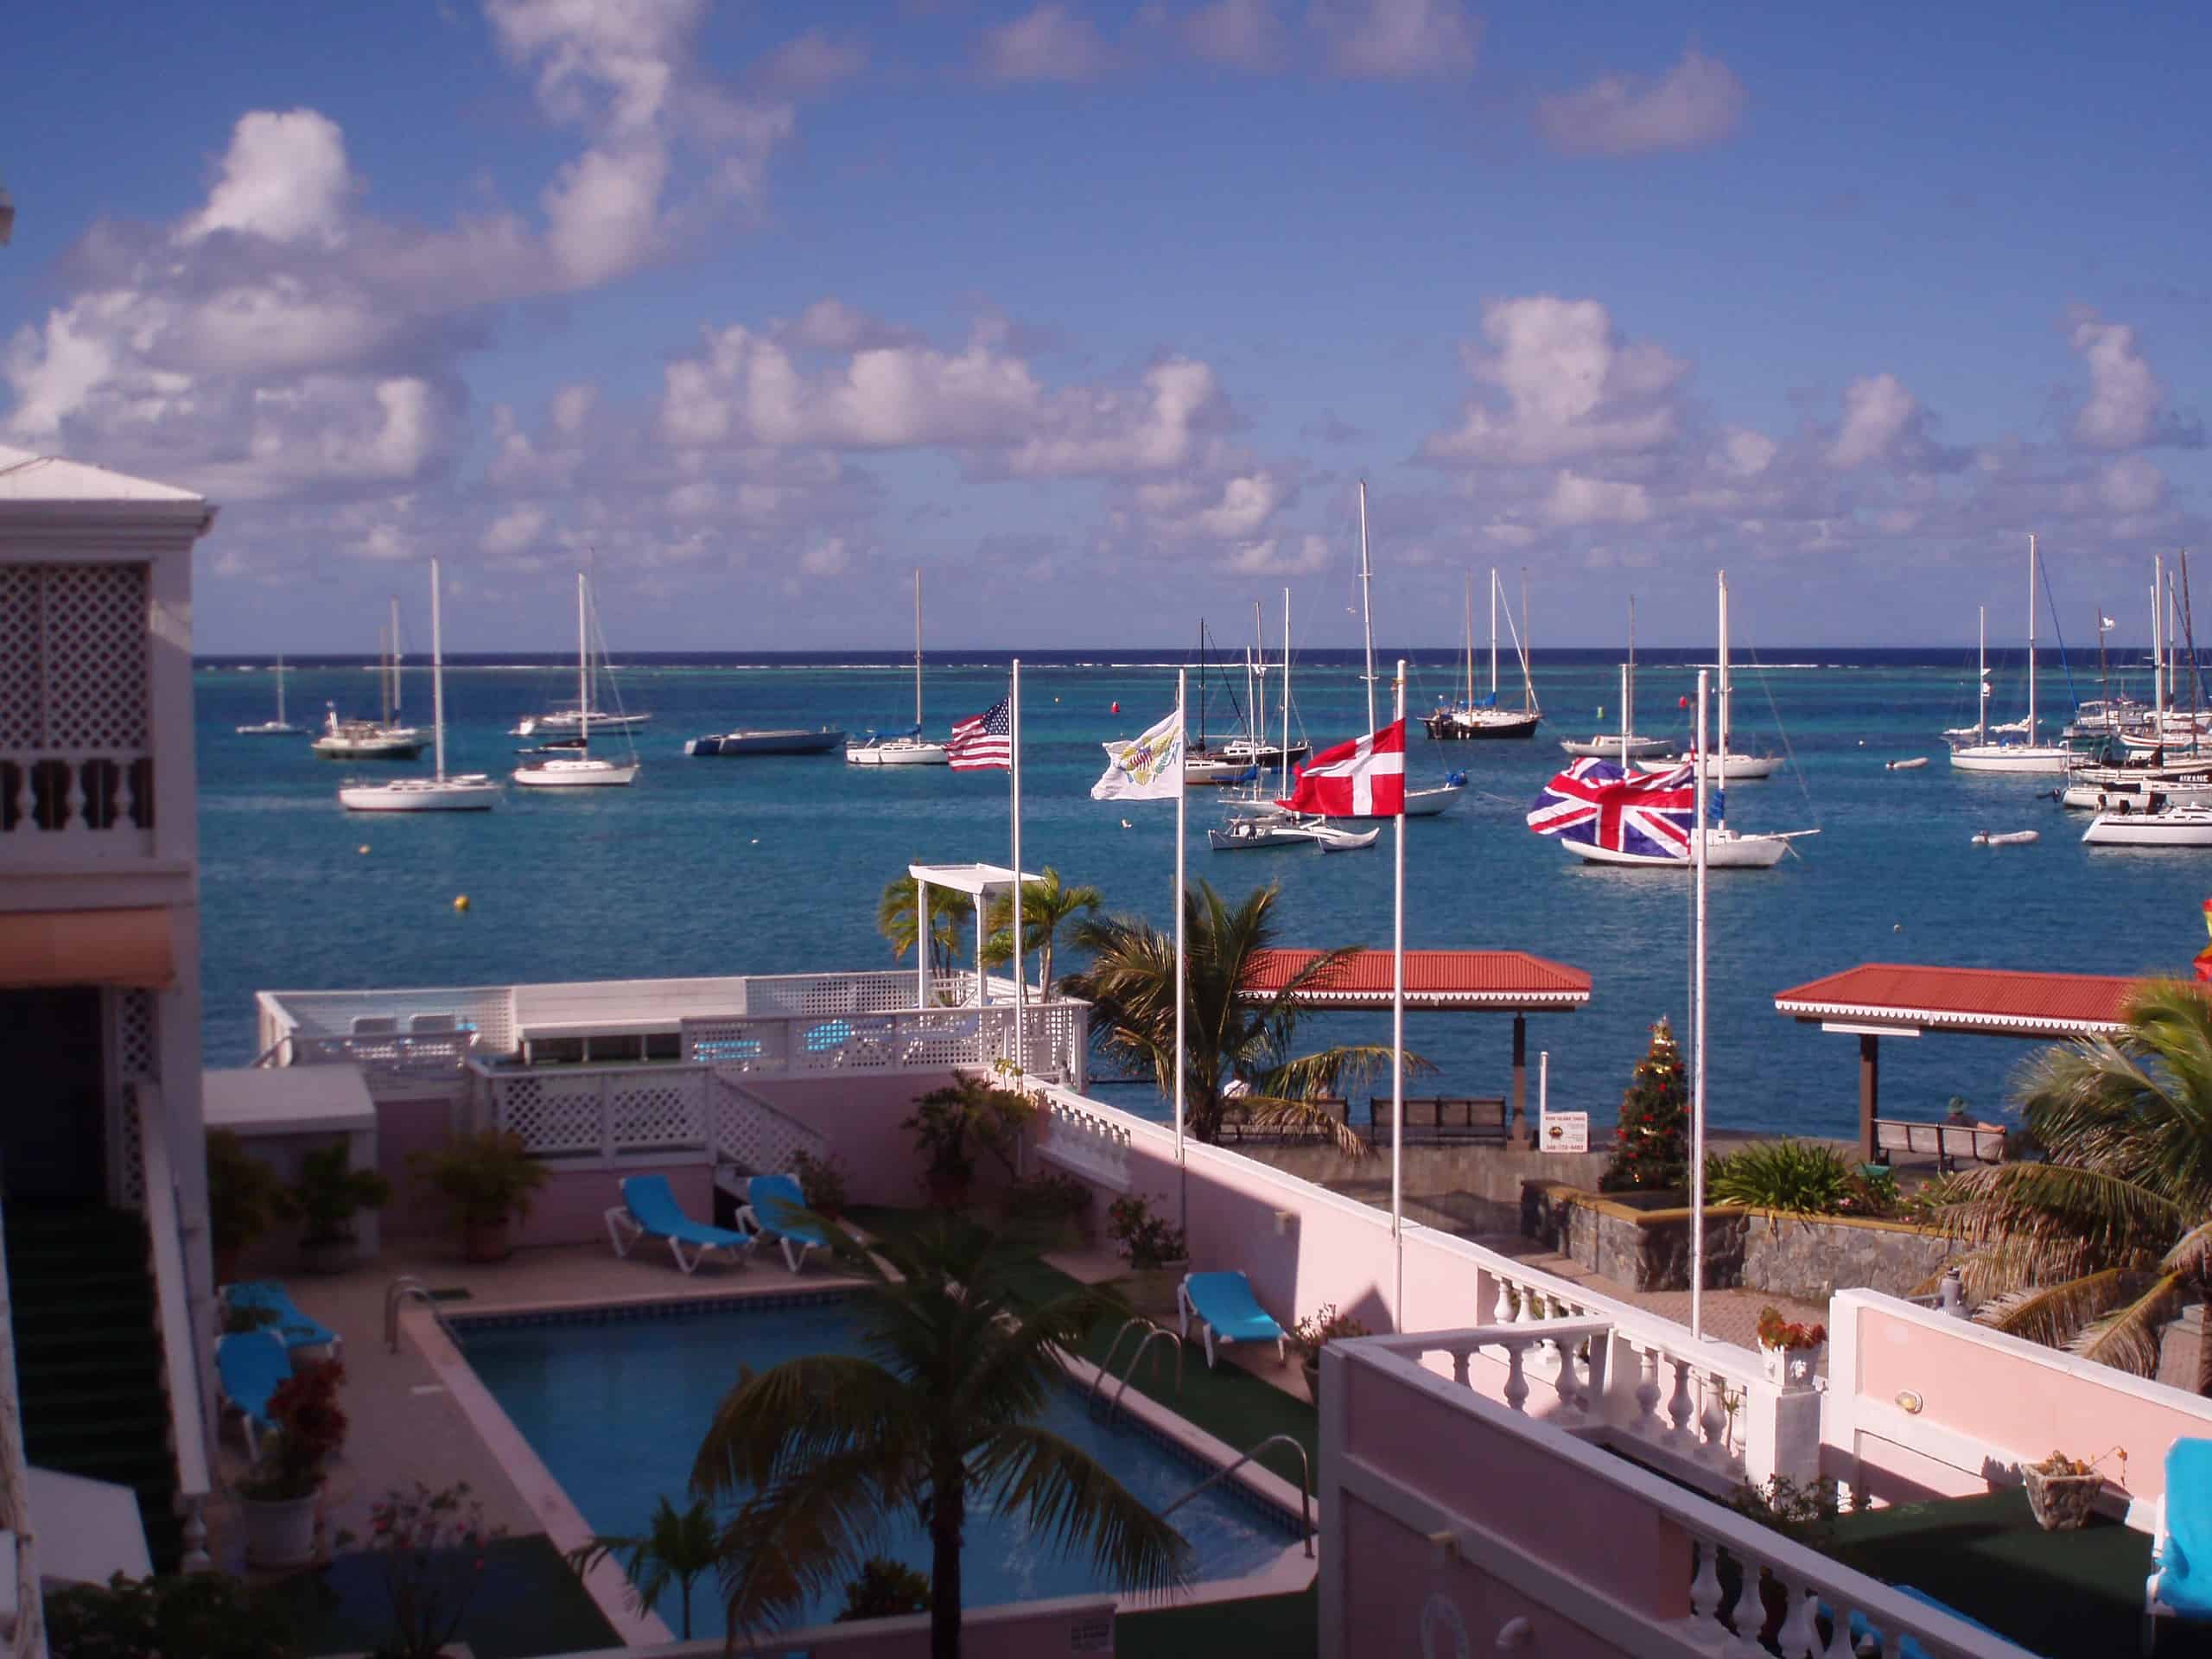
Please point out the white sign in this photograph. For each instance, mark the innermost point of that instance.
(1564, 1132)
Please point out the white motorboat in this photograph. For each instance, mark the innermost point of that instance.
(1725, 764)
(373, 739)
(465, 792)
(2170, 826)
(1981, 754)
(279, 727)
(581, 769)
(1626, 746)
(1470, 720)
(2141, 794)
(909, 747)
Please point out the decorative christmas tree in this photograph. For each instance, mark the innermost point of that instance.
(1652, 1148)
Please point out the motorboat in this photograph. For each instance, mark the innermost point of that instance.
(785, 740)
(582, 769)
(279, 727)
(471, 792)
(908, 747)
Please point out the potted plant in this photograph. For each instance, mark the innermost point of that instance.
(1158, 1252)
(821, 1183)
(327, 1197)
(1314, 1333)
(277, 1495)
(486, 1178)
(245, 1198)
(1791, 1351)
(2061, 1489)
(951, 1125)
(1055, 1205)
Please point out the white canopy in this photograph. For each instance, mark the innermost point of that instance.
(974, 880)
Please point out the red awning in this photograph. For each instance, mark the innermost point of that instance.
(134, 948)
(1511, 980)
(2001, 1000)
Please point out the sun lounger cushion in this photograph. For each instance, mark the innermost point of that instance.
(1227, 1311)
(251, 1365)
(2185, 1549)
(294, 1328)
(775, 1198)
(1863, 1632)
(653, 1204)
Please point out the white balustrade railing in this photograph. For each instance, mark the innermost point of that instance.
(395, 1054)
(756, 1136)
(905, 1040)
(1081, 1140)
(76, 801)
(1574, 1381)
(595, 1111)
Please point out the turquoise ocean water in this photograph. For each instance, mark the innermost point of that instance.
(773, 865)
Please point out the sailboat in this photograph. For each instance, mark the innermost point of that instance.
(1724, 765)
(1627, 745)
(1486, 719)
(1981, 754)
(579, 768)
(1261, 820)
(905, 748)
(465, 792)
(279, 727)
(1209, 765)
(372, 739)
(1426, 802)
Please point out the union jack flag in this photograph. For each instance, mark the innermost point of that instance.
(1590, 802)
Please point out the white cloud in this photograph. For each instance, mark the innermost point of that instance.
(1048, 44)
(1696, 103)
(602, 212)
(2124, 395)
(825, 558)
(571, 407)
(812, 63)
(1576, 500)
(514, 531)
(1236, 34)
(1574, 388)
(1397, 40)
(1246, 504)
(284, 177)
(1109, 431)
(2131, 484)
(831, 325)
(1877, 411)
(1272, 557)
(1744, 453)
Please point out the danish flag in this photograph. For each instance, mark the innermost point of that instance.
(1364, 778)
(1591, 802)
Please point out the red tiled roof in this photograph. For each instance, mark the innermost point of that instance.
(1965, 999)
(1434, 979)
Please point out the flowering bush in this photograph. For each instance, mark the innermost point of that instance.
(1147, 1240)
(1775, 1331)
(1319, 1329)
(307, 1428)
(432, 1543)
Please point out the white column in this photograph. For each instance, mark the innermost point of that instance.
(921, 942)
(1182, 988)
(1697, 1076)
(1020, 955)
(1398, 1047)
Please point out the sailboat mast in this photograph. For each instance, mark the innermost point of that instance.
(280, 688)
(1493, 634)
(437, 675)
(583, 671)
(1468, 600)
(918, 651)
(1981, 680)
(2031, 638)
(2104, 683)
(1366, 608)
(1626, 721)
(1628, 685)
(2188, 623)
(396, 702)
(2157, 643)
(1527, 681)
(1286, 693)
(1723, 768)
(384, 669)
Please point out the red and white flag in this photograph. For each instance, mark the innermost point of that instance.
(1364, 778)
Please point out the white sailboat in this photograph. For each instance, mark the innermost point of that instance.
(279, 727)
(580, 769)
(903, 748)
(372, 739)
(471, 791)
(1259, 822)
(1981, 754)
(1627, 745)
(1486, 719)
(1724, 765)
(2168, 826)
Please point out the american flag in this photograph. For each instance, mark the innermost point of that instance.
(983, 740)
(1591, 802)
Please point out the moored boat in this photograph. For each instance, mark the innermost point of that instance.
(2170, 826)
(787, 740)
(464, 792)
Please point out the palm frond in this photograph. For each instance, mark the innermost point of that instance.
(1076, 1505)
(2112, 1218)
(2054, 1315)
(2128, 1338)
(803, 1534)
(800, 1411)
(2191, 1257)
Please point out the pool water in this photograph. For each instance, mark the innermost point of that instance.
(616, 1405)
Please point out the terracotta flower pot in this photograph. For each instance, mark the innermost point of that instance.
(487, 1241)
(325, 1257)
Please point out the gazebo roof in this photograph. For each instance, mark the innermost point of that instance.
(1876, 997)
(974, 880)
(1434, 979)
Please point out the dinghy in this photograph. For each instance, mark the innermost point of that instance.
(2008, 838)
(1917, 760)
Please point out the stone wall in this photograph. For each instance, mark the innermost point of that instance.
(1643, 1241)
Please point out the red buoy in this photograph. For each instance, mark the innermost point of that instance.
(1681, 703)
(1115, 710)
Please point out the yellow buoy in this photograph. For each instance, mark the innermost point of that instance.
(462, 902)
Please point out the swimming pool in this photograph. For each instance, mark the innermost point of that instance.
(614, 1402)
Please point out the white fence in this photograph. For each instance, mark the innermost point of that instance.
(907, 1040)
(601, 1111)
(754, 1135)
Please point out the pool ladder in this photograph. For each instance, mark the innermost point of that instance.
(406, 1289)
(1305, 1483)
(1152, 1331)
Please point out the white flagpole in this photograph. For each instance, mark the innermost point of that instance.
(1182, 979)
(1021, 955)
(1697, 1074)
(1398, 1047)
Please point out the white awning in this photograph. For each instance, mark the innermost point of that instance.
(974, 880)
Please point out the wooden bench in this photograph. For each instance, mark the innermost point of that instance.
(1237, 1121)
(1435, 1118)
(1948, 1144)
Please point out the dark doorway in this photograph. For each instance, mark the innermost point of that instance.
(52, 1098)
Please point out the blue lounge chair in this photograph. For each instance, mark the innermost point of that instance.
(649, 1210)
(1866, 1638)
(773, 1204)
(1227, 1311)
(294, 1329)
(250, 1364)
(2180, 1585)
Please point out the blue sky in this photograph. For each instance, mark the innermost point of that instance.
(1097, 314)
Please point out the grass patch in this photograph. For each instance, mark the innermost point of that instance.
(1282, 1627)
(528, 1604)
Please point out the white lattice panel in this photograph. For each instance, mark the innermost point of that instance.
(932, 1040)
(553, 1114)
(331, 1013)
(756, 1137)
(137, 1060)
(22, 656)
(658, 1111)
(743, 1045)
(94, 647)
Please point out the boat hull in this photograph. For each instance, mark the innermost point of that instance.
(1726, 768)
(368, 749)
(1253, 836)
(423, 795)
(2102, 798)
(1484, 725)
(273, 728)
(1423, 802)
(1609, 748)
(1722, 852)
(577, 774)
(561, 724)
(2009, 757)
(898, 754)
(784, 742)
(2189, 827)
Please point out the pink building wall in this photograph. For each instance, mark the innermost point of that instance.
(859, 1113)
(405, 1126)
(571, 1207)
(1036, 1630)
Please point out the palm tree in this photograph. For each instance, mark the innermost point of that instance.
(823, 1455)
(677, 1547)
(1046, 906)
(1228, 1036)
(2099, 1245)
(951, 913)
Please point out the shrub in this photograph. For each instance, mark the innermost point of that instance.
(197, 1616)
(1802, 1177)
(330, 1192)
(244, 1196)
(1319, 1329)
(1147, 1240)
(484, 1178)
(885, 1589)
(1053, 1196)
(952, 1125)
(821, 1182)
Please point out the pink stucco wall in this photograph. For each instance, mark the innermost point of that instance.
(1040, 1630)
(860, 1113)
(405, 1127)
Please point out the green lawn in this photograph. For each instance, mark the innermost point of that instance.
(527, 1602)
(1282, 1627)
